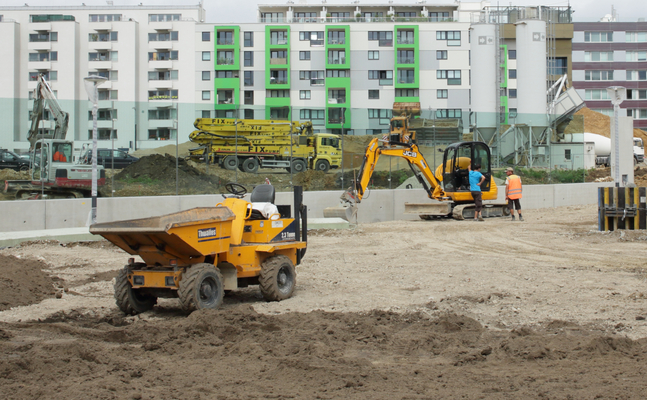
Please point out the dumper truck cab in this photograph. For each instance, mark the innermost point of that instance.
(196, 255)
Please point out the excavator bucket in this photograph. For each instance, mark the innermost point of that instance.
(345, 212)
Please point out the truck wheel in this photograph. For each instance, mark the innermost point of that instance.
(230, 163)
(201, 287)
(298, 166)
(322, 165)
(131, 301)
(250, 165)
(24, 168)
(277, 279)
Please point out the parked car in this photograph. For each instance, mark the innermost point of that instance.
(11, 160)
(105, 158)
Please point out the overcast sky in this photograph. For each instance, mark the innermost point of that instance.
(238, 11)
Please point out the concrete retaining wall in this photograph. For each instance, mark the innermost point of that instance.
(377, 205)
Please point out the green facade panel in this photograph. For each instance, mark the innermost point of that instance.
(335, 61)
(405, 63)
(222, 63)
(277, 102)
(277, 45)
(338, 83)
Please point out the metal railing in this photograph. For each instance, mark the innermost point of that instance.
(406, 41)
(406, 60)
(225, 41)
(385, 42)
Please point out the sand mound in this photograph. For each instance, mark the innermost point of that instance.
(23, 282)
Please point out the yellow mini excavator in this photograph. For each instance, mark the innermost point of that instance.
(448, 184)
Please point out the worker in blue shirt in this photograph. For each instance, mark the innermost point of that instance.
(476, 179)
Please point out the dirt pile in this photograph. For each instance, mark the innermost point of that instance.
(10, 174)
(23, 282)
(374, 355)
(595, 122)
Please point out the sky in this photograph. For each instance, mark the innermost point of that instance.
(242, 11)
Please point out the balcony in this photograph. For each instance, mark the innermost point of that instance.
(279, 42)
(160, 64)
(386, 42)
(101, 26)
(317, 82)
(160, 45)
(100, 64)
(336, 41)
(158, 84)
(406, 41)
(225, 42)
(225, 61)
(278, 61)
(39, 46)
(454, 81)
(386, 82)
(316, 43)
(337, 61)
(100, 45)
(406, 60)
(337, 100)
(39, 65)
(228, 100)
(406, 80)
(278, 81)
(161, 26)
(40, 26)
(334, 120)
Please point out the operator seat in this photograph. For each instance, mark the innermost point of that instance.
(262, 199)
(263, 194)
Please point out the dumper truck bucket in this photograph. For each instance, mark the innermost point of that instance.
(348, 212)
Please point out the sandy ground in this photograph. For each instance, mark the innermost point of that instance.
(546, 308)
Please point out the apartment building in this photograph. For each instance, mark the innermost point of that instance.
(612, 54)
(148, 54)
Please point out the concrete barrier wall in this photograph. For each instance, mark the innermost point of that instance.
(377, 205)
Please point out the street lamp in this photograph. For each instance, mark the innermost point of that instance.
(91, 84)
(617, 94)
(177, 155)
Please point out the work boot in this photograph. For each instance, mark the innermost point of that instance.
(480, 218)
(513, 218)
(520, 217)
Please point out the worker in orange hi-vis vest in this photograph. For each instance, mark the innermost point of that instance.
(513, 192)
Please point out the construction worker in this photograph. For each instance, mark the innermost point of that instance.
(513, 192)
(59, 156)
(476, 178)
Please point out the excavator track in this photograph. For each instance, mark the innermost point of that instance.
(466, 211)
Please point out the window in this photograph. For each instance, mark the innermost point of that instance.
(102, 56)
(338, 73)
(279, 112)
(442, 93)
(248, 39)
(636, 94)
(163, 55)
(206, 36)
(278, 37)
(567, 154)
(373, 94)
(43, 37)
(403, 14)
(439, 16)
(336, 37)
(206, 114)
(336, 96)
(512, 74)
(636, 37)
(406, 92)
(373, 55)
(406, 76)
(335, 116)
(315, 38)
(163, 36)
(512, 54)
(512, 93)
(598, 56)
(162, 94)
(449, 113)
(225, 37)
(305, 17)
(304, 94)
(206, 56)
(105, 114)
(385, 77)
(405, 57)
(249, 97)
(383, 115)
(512, 113)
(104, 17)
(441, 54)
(453, 76)
(316, 116)
(110, 75)
(160, 134)
(163, 75)
(49, 75)
(385, 38)
(597, 94)
(225, 96)
(103, 37)
(279, 56)
(304, 55)
(248, 114)
(636, 56)
(162, 114)
(108, 94)
(598, 36)
(557, 66)
(278, 77)
(225, 74)
(278, 93)
(248, 78)
(164, 17)
(225, 57)
(45, 56)
(406, 37)
(336, 57)
(453, 38)
(206, 75)
(272, 17)
(103, 134)
(636, 75)
(315, 77)
(249, 58)
(598, 75)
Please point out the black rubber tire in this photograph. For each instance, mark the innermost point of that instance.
(298, 166)
(201, 287)
(250, 165)
(322, 165)
(278, 278)
(129, 300)
(24, 168)
(230, 163)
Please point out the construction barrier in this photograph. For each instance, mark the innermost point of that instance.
(621, 208)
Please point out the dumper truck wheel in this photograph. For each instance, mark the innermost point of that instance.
(277, 279)
(230, 163)
(322, 165)
(201, 287)
(131, 301)
(250, 165)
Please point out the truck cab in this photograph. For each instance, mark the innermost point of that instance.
(53, 161)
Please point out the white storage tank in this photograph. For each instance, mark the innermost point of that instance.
(484, 71)
(531, 72)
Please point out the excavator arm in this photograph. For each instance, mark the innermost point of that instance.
(43, 95)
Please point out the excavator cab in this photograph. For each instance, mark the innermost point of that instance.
(458, 157)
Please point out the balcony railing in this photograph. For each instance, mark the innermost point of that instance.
(386, 42)
(226, 41)
(316, 43)
(337, 61)
(334, 120)
(279, 41)
(454, 81)
(406, 41)
(317, 82)
(336, 41)
(336, 100)
(406, 60)
(406, 80)
(226, 101)
(275, 81)
(278, 61)
(386, 82)
(333, 20)
(225, 61)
